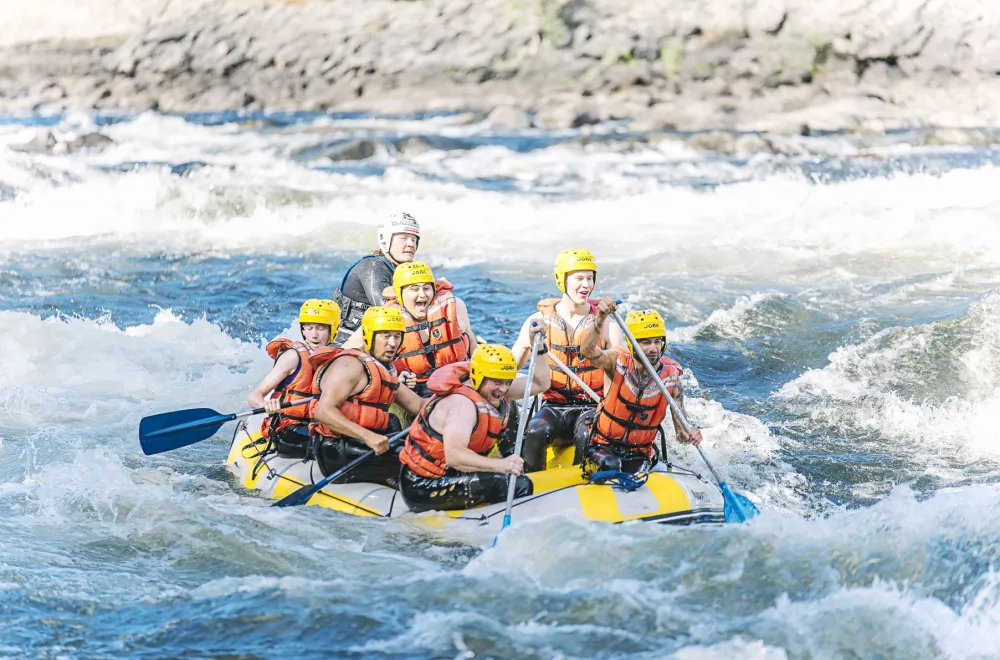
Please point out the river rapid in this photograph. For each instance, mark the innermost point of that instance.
(838, 317)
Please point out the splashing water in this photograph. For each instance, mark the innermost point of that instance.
(838, 319)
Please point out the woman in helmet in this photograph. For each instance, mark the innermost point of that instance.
(629, 417)
(356, 388)
(566, 410)
(366, 278)
(438, 331)
(445, 460)
(291, 378)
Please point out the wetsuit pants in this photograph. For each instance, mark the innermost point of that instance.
(598, 458)
(559, 426)
(334, 453)
(292, 441)
(457, 490)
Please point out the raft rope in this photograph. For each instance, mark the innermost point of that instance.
(621, 480)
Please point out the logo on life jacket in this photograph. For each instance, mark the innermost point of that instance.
(436, 333)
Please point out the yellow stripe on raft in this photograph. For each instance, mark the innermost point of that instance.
(600, 503)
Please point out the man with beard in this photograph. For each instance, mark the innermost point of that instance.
(356, 388)
(629, 417)
(446, 463)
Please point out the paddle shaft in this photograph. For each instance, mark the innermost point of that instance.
(575, 378)
(287, 404)
(678, 413)
(522, 422)
(303, 494)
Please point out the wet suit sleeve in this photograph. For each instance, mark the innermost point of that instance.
(378, 277)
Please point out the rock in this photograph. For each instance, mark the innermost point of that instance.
(752, 143)
(739, 64)
(966, 137)
(46, 142)
(509, 117)
(43, 143)
(719, 141)
(94, 141)
(353, 150)
(418, 144)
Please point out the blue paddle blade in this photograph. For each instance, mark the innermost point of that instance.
(505, 525)
(738, 508)
(172, 430)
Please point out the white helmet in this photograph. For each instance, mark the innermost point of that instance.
(397, 223)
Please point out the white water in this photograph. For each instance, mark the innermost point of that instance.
(819, 324)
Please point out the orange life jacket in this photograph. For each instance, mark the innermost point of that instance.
(424, 449)
(295, 386)
(629, 417)
(369, 408)
(567, 349)
(446, 343)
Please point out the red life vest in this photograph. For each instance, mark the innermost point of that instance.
(446, 343)
(295, 386)
(566, 348)
(369, 408)
(424, 449)
(630, 415)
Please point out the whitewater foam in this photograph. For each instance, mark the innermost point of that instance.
(244, 200)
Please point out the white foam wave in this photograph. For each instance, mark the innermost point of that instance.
(737, 648)
(888, 384)
(252, 197)
(731, 322)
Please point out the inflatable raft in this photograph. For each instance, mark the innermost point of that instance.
(670, 495)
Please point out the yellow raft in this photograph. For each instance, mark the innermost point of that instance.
(670, 495)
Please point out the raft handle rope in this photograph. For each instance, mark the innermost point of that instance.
(619, 480)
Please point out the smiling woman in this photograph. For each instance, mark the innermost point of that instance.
(838, 331)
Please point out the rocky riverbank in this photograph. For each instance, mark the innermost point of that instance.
(784, 66)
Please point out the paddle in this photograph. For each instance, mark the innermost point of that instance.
(738, 508)
(173, 430)
(522, 422)
(572, 375)
(303, 494)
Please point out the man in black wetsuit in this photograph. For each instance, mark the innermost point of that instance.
(364, 281)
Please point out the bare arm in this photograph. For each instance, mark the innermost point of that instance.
(614, 334)
(284, 366)
(408, 400)
(683, 436)
(593, 337)
(465, 325)
(522, 345)
(455, 416)
(354, 341)
(345, 377)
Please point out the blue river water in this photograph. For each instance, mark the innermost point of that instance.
(837, 313)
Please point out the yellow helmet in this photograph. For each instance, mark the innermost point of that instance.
(645, 324)
(380, 319)
(572, 260)
(491, 361)
(325, 312)
(414, 272)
